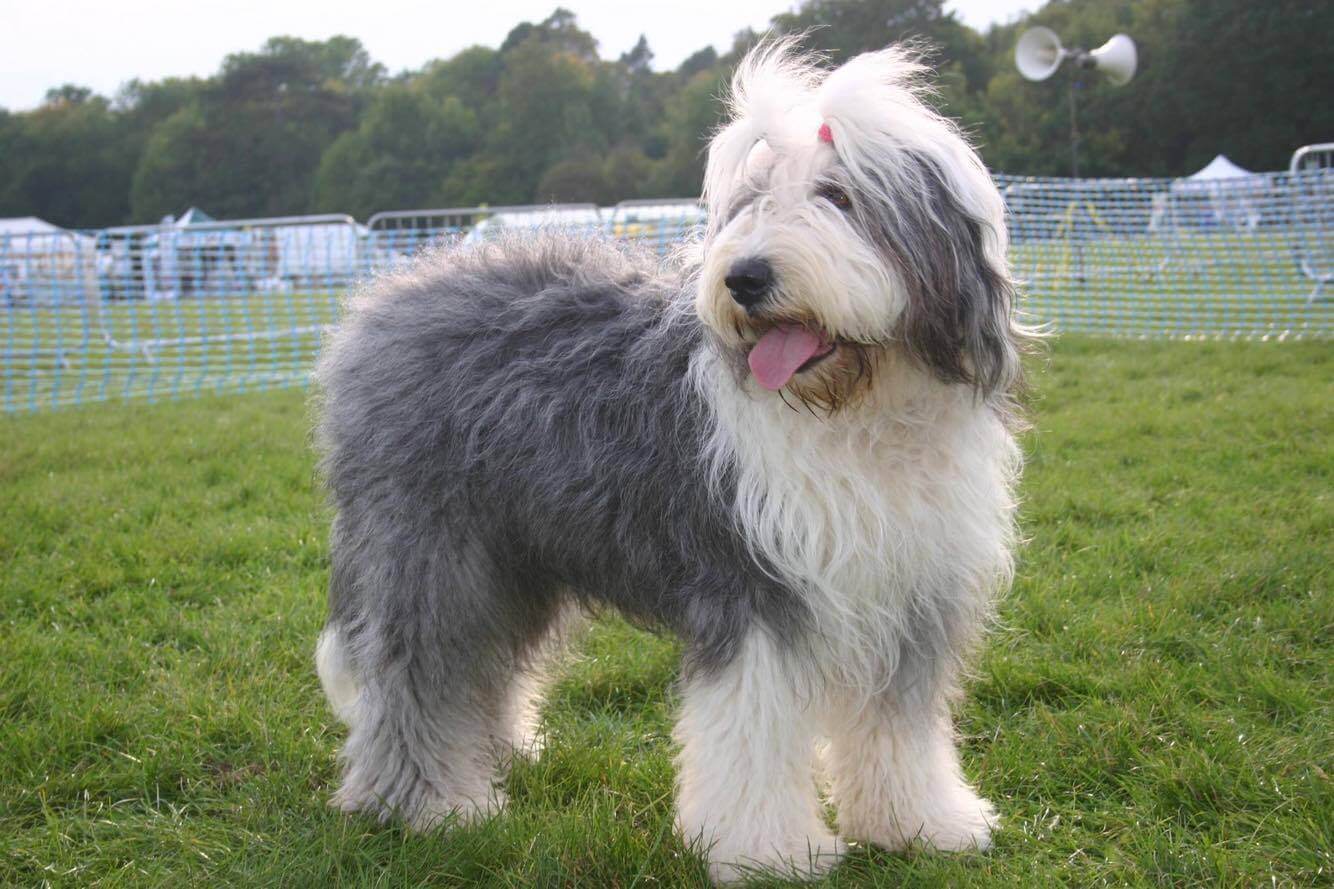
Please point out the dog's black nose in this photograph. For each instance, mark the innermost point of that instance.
(750, 281)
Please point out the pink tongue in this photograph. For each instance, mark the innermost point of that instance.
(780, 352)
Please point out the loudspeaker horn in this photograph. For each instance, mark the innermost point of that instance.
(1039, 53)
(1116, 59)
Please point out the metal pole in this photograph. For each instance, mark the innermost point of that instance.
(1076, 84)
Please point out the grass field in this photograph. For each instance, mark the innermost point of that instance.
(1155, 709)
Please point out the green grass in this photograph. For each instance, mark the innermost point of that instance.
(1155, 709)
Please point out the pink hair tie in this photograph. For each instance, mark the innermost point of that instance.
(826, 134)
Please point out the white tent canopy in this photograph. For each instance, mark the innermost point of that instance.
(41, 263)
(193, 216)
(1221, 194)
(27, 225)
(1219, 168)
(32, 230)
(1219, 174)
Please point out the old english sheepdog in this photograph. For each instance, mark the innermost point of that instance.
(792, 446)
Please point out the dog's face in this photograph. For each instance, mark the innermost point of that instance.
(846, 219)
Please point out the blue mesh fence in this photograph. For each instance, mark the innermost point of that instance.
(180, 309)
(1233, 258)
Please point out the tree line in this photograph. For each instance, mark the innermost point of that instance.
(305, 126)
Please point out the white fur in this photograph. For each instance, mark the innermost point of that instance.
(523, 716)
(864, 512)
(746, 790)
(473, 794)
(897, 780)
(867, 509)
(908, 492)
(340, 684)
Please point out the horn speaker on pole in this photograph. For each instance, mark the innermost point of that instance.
(1039, 53)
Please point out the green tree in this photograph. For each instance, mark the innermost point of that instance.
(559, 31)
(553, 106)
(576, 180)
(472, 76)
(15, 153)
(399, 157)
(251, 143)
(1214, 76)
(67, 161)
(692, 114)
(1246, 79)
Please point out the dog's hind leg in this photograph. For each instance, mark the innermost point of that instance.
(434, 640)
(522, 717)
(337, 675)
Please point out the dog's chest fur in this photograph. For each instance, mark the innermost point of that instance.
(894, 514)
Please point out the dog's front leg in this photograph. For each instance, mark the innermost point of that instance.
(896, 773)
(746, 790)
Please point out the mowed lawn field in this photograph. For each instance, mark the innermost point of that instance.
(1154, 708)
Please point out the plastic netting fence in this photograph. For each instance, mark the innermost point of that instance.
(1234, 258)
(176, 309)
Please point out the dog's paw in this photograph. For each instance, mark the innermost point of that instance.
(961, 821)
(426, 811)
(526, 743)
(966, 827)
(801, 858)
(436, 812)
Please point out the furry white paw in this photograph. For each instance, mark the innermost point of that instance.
(529, 747)
(526, 744)
(965, 828)
(801, 858)
(962, 822)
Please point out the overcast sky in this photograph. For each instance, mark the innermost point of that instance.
(102, 45)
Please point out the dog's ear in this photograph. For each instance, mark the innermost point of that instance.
(959, 318)
(934, 209)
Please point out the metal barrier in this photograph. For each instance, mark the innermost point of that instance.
(657, 224)
(398, 235)
(170, 310)
(1312, 171)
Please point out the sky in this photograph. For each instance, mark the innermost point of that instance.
(102, 45)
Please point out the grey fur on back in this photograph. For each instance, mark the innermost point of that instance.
(505, 424)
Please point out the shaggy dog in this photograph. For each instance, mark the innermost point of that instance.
(792, 448)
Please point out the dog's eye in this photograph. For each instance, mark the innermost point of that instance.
(834, 195)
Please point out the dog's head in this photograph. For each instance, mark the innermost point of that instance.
(847, 219)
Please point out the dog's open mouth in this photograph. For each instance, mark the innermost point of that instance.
(817, 358)
(785, 351)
